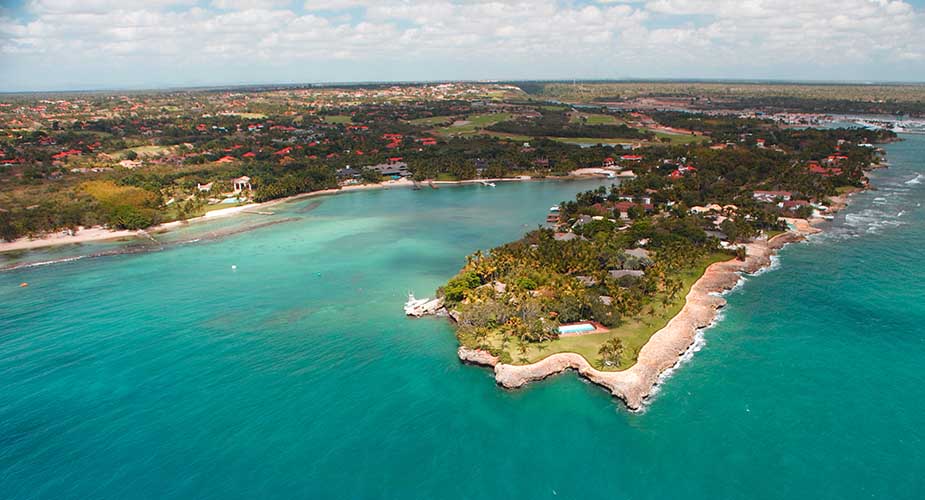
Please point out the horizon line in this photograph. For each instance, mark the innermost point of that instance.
(360, 83)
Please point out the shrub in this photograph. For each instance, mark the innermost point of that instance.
(455, 289)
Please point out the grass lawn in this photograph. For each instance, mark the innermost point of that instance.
(511, 137)
(142, 151)
(594, 119)
(553, 107)
(680, 138)
(473, 124)
(338, 119)
(634, 332)
(250, 116)
(446, 177)
(594, 140)
(432, 121)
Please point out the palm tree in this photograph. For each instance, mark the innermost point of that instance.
(611, 351)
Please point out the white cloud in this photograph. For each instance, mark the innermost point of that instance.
(403, 39)
(336, 4)
(250, 4)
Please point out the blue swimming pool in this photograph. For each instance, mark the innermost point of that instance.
(580, 327)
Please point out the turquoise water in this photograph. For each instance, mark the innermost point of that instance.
(168, 375)
(584, 327)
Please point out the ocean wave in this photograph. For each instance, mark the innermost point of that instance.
(915, 180)
(773, 266)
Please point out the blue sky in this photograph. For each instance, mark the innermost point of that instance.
(86, 44)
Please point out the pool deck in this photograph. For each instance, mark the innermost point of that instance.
(598, 328)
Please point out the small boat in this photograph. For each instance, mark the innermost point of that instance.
(488, 184)
(420, 307)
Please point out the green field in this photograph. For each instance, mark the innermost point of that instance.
(338, 119)
(474, 123)
(634, 332)
(679, 138)
(594, 140)
(594, 119)
(250, 116)
(142, 151)
(431, 121)
(509, 137)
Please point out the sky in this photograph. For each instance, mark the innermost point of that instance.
(110, 44)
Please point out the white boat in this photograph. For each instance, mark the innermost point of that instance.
(420, 307)
(489, 184)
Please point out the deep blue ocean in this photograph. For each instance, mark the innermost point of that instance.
(166, 374)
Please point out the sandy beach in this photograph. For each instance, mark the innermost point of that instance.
(82, 235)
(666, 347)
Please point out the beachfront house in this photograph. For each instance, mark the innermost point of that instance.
(394, 170)
(241, 184)
(771, 196)
(347, 173)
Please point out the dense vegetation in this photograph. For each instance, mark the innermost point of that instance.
(624, 257)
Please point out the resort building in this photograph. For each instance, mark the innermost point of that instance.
(241, 183)
(397, 169)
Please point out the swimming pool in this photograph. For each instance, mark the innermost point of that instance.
(577, 328)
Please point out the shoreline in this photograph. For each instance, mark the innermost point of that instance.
(99, 233)
(668, 346)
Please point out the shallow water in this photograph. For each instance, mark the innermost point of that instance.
(167, 374)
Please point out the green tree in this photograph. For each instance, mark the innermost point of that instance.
(611, 351)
